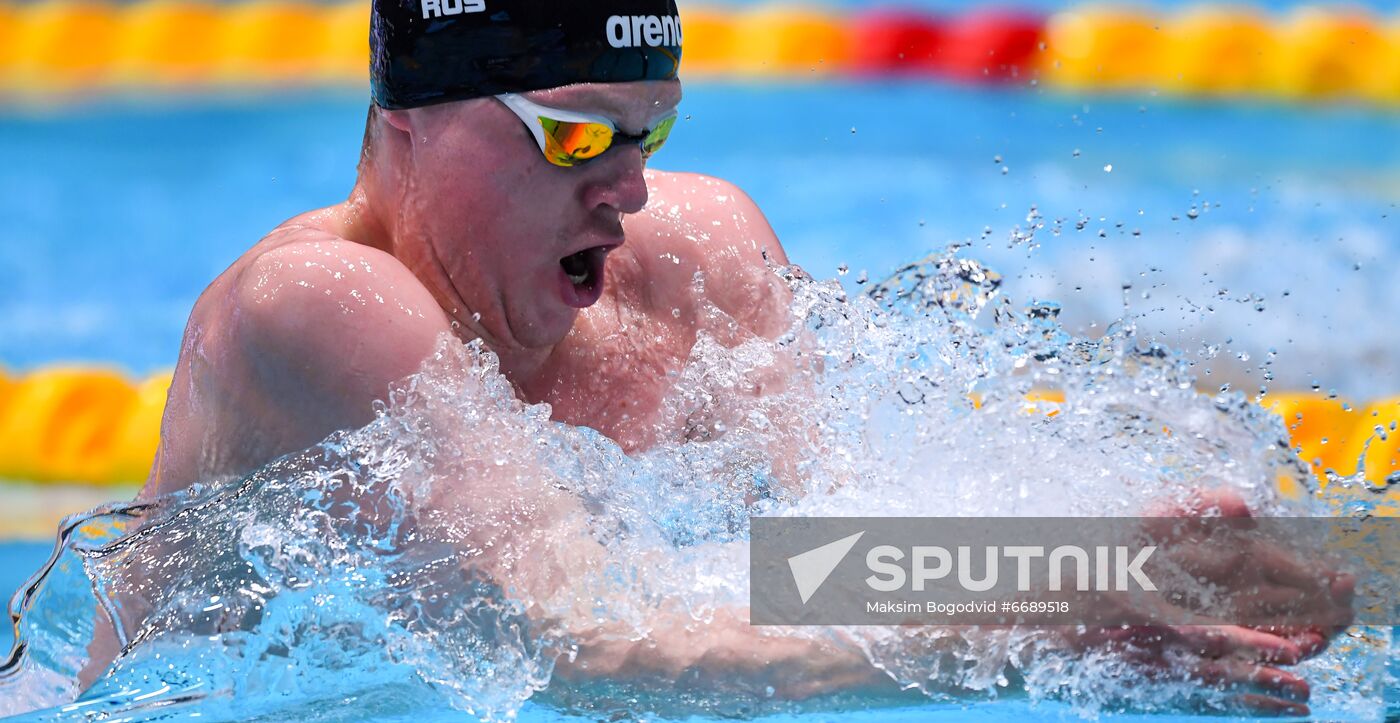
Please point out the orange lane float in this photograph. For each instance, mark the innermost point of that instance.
(270, 42)
(1377, 442)
(169, 42)
(1320, 429)
(1327, 54)
(79, 424)
(709, 37)
(63, 45)
(1102, 48)
(345, 54)
(95, 425)
(1314, 54)
(1217, 52)
(789, 41)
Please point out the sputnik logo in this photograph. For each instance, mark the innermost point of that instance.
(811, 568)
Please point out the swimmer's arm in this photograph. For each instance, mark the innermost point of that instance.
(535, 537)
(724, 656)
(710, 226)
(322, 327)
(524, 529)
(739, 259)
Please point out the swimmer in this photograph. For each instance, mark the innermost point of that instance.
(503, 194)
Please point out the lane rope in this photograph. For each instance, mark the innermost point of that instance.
(57, 48)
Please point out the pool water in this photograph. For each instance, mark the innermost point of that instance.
(18, 560)
(1267, 226)
(290, 593)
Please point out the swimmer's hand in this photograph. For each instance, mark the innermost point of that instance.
(1262, 580)
(1266, 580)
(1240, 662)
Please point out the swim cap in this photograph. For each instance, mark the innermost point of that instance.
(433, 51)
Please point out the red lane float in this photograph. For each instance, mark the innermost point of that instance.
(899, 42)
(993, 46)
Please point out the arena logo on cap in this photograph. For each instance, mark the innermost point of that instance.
(439, 8)
(635, 31)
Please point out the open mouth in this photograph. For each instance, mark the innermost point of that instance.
(585, 268)
(583, 275)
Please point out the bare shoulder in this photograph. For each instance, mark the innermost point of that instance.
(696, 223)
(712, 214)
(320, 312)
(293, 342)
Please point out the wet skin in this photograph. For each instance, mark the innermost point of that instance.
(458, 225)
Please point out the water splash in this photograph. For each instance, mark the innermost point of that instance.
(453, 551)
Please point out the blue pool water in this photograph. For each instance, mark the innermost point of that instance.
(18, 560)
(1211, 210)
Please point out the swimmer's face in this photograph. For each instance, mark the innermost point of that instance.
(503, 233)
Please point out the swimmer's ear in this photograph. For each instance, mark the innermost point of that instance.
(399, 119)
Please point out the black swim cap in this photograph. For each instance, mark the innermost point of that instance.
(433, 51)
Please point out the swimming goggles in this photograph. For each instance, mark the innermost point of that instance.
(568, 139)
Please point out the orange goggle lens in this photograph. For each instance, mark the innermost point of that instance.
(567, 143)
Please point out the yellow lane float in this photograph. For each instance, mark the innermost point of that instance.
(169, 42)
(346, 54)
(1217, 51)
(1313, 54)
(79, 424)
(137, 432)
(94, 425)
(1378, 438)
(268, 42)
(1320, 429)
(1329, 54)
(1103, 48)
(709, 38)
(788, 41)
(62, 44)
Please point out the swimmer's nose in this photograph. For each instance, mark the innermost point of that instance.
(620, 182)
